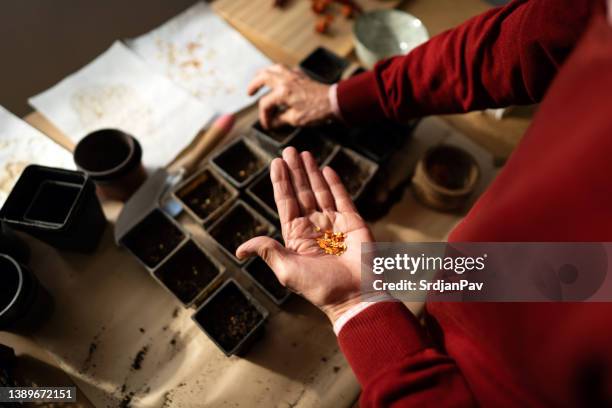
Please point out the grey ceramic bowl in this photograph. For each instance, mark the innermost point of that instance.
(381, 34)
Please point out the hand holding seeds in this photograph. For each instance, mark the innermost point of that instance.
(294, 98)
(322, 232)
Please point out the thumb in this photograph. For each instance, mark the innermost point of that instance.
(270, 250)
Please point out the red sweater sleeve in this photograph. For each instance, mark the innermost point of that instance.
(506, 56)
(394, 363)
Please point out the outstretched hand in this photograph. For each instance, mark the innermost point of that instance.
(311, 201)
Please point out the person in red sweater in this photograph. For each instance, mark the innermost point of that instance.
(555, 187)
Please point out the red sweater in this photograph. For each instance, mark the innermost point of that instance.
(555, 187)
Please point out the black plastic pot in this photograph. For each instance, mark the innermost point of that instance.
(273, 139)
(319, 141)
(57, 206)
(324, 66)
(355, 171)
(13, 246)
(240, 162)
(112, 159)
(239, 224)
(205, 195)
(24, 303)
(265, 279)
(154, 238)
(262, 193)
(231, 318)
(190, 273)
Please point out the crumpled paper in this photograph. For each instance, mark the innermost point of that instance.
(21, 145)
(119, 90)
(203, 54)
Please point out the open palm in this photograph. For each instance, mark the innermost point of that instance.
(311, 201)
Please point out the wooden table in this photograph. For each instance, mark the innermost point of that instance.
(298, 362)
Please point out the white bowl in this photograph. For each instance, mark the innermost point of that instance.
(381, 34)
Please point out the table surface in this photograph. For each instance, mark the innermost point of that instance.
(104, 301)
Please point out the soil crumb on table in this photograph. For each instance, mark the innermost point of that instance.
(139, 359)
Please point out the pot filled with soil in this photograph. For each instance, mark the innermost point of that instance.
(205, 195)
(324, 66)
(239, 224)
(265, 279)
(240, 162)
(262, 193)
(190, 273)
(445, 178)
(231, 318)
(355, 170)
(57, 206)
(275, 138)
(318, 141)
(112, 159)
(24, 303)
(154, 238)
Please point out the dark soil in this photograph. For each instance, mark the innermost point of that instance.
(280, 135)
(204, 195)
(262, 273)
(237, 227)
(53, 202)
(139, 359)
(324, 65)
(314, 142)
(154, 238)
(449, 167)
(240, 162)
(263, 189)
(9, 283)
(352, 172)
(187, 272)
(229, 317)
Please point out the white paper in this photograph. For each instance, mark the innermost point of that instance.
(21, 145)
(203, 54)
(118, 90)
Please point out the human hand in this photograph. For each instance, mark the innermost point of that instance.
(310, 202)
(294, 98)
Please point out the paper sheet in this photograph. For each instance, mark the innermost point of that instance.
(203, 54)
(21, 145)
(118, 90)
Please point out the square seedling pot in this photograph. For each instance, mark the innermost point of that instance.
(273, 139)
(205, 195)
(189, 273)
(240, 162)
(317, 141)
(324, 66)
(377, 141)
(57, 206)
(239, 224)
(265, 279)
(355, 170)
(154, 238)
(262, 193)
(231, 318)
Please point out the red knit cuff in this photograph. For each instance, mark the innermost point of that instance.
(378, 337)
(358, 99)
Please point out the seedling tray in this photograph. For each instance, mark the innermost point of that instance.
(273, 139)
(355, 170)
(57, 206)
(262, 192)
(239, 224)
(205, 195)
(240, 162)
(189, 273)
(317, 141)
(266, 280)
(154, 238)
(324, 66)
(231, 318)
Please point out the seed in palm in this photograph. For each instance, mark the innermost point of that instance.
(332, 243)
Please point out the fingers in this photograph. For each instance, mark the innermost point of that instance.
(284, 195)
(270, 250)
(343, 200)
(299, 179)
(266, 77)
(268, 107)
(323, 195)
